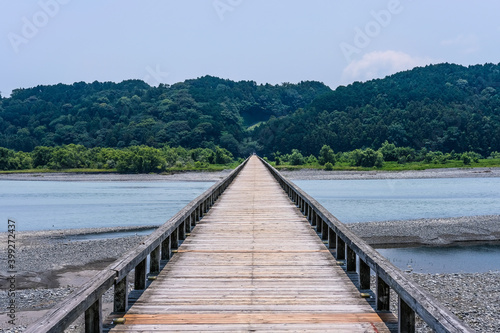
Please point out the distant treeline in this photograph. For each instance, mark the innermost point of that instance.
(442, 108)
(135, 159)
(369, 158)
(144, 159)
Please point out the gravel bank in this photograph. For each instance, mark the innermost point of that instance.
(52, 265)
(312, 174)
(99, 177)
(440, 231)
(474, 298)
(303, 174)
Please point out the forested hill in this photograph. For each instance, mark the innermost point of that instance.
(204, 112)
(439, 107)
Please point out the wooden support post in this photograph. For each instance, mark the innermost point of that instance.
(121, 296)
(188, 224)
(93, 318)
(154, 261)
(140, 276)
(383, 295)
(182, 230)
(314, 219)
(406, 317)
(324, 230)
(332, 239)
(174, 239)
(319, 225)
(165, 249)
(364, 275)
(192, 220)
(340, 248)
(350, 260)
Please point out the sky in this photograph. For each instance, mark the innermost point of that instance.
(268, 41)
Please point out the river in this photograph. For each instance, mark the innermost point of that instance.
(46, 205)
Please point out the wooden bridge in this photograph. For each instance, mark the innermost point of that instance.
(254, 263)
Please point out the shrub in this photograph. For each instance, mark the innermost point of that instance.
(328, 166)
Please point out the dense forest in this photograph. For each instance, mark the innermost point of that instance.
(446, 108)
(199, 113)
(440, 107)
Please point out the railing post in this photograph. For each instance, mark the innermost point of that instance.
(315, 219)
(324, 230)
(406, 317)
(364, 275)
(188, 224)
(383, 295)
(192, 219)
(319, 225)
(120, 303)
(93, 318)
(140, 276)
(350, 260)
(174, 239)
(154, 261)
(332, 239)
(165, 249)
(340, 248)
(182, 230)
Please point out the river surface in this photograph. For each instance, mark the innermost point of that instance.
(46, 205)
(354, 201)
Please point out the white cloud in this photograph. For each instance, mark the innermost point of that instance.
(379, 64)
(466, 43)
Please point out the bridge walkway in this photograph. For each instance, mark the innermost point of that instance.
(253, 264)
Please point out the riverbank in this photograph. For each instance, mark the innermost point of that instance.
(302, 174)
(430, 232)
(53, 264)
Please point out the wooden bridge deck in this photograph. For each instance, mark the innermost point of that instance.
(253, 264)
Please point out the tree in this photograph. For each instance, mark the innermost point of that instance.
(326, 155)
(296, 157)
(367, 158)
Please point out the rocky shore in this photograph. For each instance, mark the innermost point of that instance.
(303, 174)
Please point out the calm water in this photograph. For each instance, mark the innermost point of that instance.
(401, 199)
(354, 201)
(39, 205)
(45, 205)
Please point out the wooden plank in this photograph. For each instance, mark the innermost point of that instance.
(253, 262)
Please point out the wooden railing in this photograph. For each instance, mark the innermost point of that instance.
(411, 297)
(157, 246)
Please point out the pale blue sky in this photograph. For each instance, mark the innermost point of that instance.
(273, 41)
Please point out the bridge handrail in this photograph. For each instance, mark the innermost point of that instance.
(412, 297)
(87, 299)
